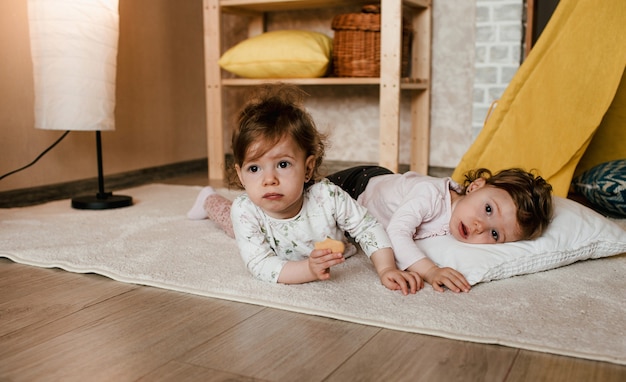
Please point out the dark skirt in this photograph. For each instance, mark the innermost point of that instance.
(354, 180)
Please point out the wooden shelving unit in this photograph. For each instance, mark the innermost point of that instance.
(390, 82)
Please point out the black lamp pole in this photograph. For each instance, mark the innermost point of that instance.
(102, 200)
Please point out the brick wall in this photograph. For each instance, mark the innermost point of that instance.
(499, 33)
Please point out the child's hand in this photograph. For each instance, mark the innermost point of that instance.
(449, 277)
(321, 260)
(406, 281)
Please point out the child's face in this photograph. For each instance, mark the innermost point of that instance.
(485, 215)
(275, 181)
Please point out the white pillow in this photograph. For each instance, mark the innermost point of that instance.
(576, 233)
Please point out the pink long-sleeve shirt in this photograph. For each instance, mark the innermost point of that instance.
(411, 207)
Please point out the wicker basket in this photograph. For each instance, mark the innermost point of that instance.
(356, 45)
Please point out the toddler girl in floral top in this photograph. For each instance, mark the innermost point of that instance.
(286, 209)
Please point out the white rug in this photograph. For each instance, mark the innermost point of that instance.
(578, 310)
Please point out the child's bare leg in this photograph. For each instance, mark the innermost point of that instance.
(217, 209)
(214, 206)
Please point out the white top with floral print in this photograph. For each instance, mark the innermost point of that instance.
(266, 244)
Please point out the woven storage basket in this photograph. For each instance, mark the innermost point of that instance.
(356, 45)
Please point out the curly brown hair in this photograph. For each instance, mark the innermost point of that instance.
(273, 112)
(531, 194)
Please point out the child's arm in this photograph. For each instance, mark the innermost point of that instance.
(393, 278)
(402, 228)
(316, 267)
(264, 261)
(437, 277)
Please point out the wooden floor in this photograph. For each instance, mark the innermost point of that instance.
(61, 326)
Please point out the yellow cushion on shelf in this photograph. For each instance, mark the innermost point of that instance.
(280, 54)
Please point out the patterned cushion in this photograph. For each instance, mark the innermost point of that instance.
(604, 186)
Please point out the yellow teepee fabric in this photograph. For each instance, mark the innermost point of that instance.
(556, 101)
(609, 140)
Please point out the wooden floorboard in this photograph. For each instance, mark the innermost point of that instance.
(123, 337)
(277, 345)
(43, 296)
(396, 356)
(176, 371)
(542, 367)
(61, 326)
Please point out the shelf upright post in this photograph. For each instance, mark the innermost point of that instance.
(213, 88)
(390, 68)
(420, 100)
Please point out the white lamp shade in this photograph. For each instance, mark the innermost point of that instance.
(74, 52)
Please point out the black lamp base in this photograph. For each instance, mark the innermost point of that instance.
(101, 201)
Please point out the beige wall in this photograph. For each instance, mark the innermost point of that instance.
(160, 97)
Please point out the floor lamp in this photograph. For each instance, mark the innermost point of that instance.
(74, 52)
(102, 200)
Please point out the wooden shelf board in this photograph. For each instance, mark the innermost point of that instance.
(406, 83)
(286, 5)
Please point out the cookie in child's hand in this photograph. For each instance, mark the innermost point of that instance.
(335, 246)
